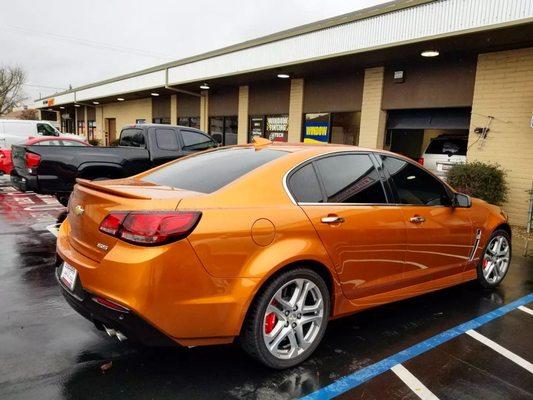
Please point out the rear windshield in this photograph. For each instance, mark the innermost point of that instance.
(456, 147)
(208, 172)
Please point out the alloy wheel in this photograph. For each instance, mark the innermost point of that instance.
(496, 259)
(293, 318)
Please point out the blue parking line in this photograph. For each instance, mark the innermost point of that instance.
(351, 381)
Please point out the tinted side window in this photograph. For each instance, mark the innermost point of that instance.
(166, 139)
(304, 185)
(351, 178)
(196, 140)
(131, 138)
(414, 185)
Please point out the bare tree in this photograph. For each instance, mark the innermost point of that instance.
(30, 113)
(11, 81)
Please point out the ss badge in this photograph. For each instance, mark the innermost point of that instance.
(102, 246)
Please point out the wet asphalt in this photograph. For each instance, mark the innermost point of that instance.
(48, 351)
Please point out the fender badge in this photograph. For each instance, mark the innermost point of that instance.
(102, 246)
(78, 210)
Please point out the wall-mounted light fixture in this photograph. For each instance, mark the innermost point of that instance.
(120, 99)
(283, 76)
(204, 86)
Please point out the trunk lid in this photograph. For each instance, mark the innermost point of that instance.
(18, 155)
(91, 201)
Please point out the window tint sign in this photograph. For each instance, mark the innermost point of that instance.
(317, 128)
(277, 128)
(257, 126)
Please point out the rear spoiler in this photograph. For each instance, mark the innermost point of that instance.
(106, 189)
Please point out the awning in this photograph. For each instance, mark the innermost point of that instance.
(429, 118)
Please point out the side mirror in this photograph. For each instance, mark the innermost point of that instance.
(461, 200)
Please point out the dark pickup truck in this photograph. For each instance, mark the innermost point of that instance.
(54, 169)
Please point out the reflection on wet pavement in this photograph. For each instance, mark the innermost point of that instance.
(48, 351)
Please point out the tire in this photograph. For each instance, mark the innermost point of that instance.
(268, 321)
(497, 258)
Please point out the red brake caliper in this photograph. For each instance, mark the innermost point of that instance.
(270, 322)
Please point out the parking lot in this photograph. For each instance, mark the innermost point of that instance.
(459, 343)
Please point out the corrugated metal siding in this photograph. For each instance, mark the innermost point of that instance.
(430, 20)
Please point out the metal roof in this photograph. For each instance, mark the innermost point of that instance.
(390, 24)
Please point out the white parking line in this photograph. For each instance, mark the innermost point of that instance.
(526, 310)
(502, 350)
(413, 383)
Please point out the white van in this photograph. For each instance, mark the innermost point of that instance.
(16, 131)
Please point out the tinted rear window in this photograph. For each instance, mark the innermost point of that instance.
(209, 172)
(456, 147)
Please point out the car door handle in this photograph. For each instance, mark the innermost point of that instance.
(417, 219)
(332, 219)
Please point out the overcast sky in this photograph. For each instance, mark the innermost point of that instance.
(64, 42)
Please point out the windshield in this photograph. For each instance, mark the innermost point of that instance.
(208, 172)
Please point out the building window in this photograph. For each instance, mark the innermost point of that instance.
(81, 128)
(317, 128)
(193, 122)
(339, 127)
(223, 130)
(91, 128)
(165, 121)
(271, 127)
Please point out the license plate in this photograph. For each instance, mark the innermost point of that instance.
(68, 275)
(444, 167)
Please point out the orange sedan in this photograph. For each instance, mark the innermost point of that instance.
(266, 243)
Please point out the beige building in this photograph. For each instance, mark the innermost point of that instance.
(393, 76)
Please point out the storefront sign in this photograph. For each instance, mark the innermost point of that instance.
(317, 128)
(256, 127)
(277, 128)
(50, 102)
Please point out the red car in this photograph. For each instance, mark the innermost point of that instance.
(6, 162)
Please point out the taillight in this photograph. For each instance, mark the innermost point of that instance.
(111, 224)
(150, 228)
(32, 161)
(421, 161)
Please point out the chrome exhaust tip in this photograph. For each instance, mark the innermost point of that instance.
(120, 336)
(110, 332)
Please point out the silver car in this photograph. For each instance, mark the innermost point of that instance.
(443, 152)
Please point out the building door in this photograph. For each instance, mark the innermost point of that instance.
(409, 132)
(111, 130)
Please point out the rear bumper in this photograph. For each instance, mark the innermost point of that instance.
(166, 287)
(24, 184)
(128, 323)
